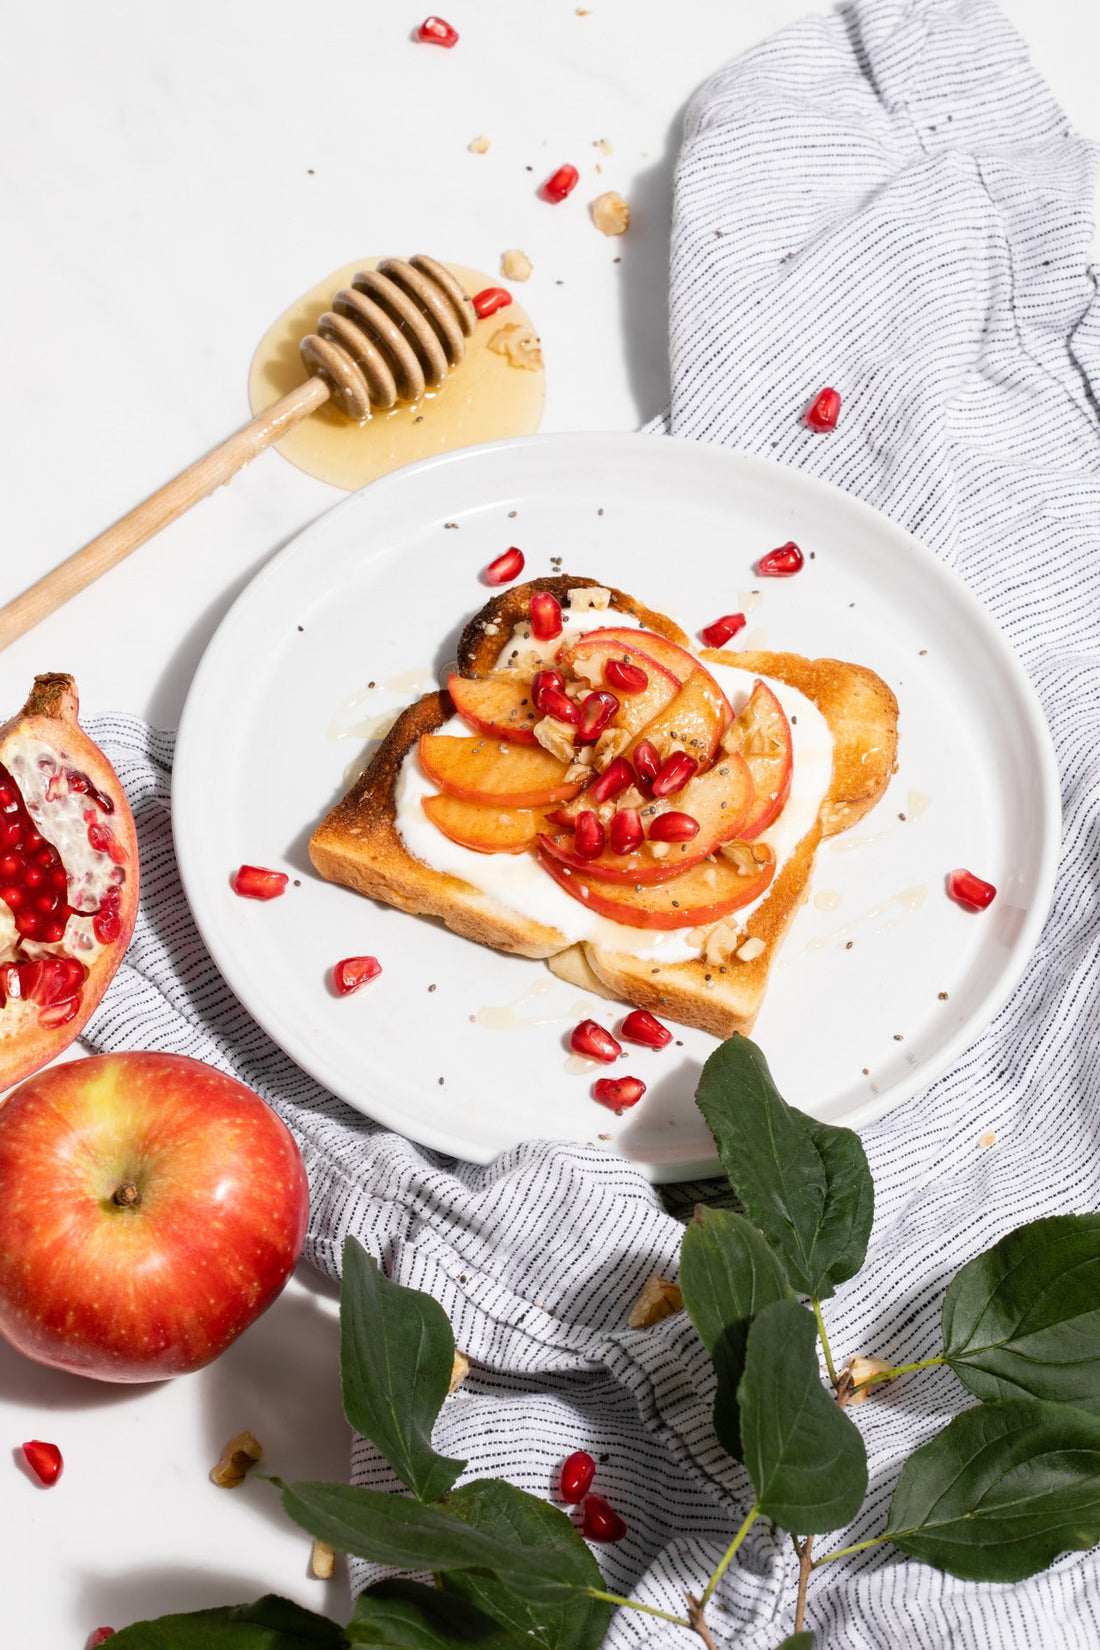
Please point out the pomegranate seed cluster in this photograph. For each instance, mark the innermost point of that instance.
(599, 1520)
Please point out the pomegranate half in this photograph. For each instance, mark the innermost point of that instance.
(68, 878)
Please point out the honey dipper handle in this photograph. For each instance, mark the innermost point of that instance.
(84, 566)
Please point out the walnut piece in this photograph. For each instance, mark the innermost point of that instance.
(751, 949)
(460, 1368)
(519, 345)
(239, 1456)
(323, 1560)
(611, 743)
(588, 596)
(555, 737)
(610, 213)
(659, 1299)
(479, 145)
(515, 265)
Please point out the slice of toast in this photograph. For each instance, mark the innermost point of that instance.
(358, 843)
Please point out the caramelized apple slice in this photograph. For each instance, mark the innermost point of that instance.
(678, 662)
(718, 801)
(693, 722)
(765, 743)
(702, 895)
(588, 660)
(494, 771)
(498, 705)
(481, 826)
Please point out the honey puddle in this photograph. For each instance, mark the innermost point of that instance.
(505, 1018)
(917, 804)
(895, 910)
(827, 899)
(851, 844)
(484, 398)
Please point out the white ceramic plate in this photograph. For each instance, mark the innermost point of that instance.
(882, 982)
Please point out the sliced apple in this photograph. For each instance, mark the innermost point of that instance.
(677, 661)
(498, 705)
(694, 721)
(481, 826)
(765, 744)
(718, 800)
(703, 895)
(494, 771)
(588, 659)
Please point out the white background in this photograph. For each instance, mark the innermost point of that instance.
(170, 179)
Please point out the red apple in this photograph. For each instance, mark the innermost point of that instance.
(498, 705)
(764, 740)
(494, 771)
(589, 659)
(694, 721)
(668, 655)
(482, 827)
(703, 894)
(150, 1209)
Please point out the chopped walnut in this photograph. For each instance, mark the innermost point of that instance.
(515, 265)
(605, 146)
(719, 943)
(586, 597)
(659, 849)
(752, 948)
(740, 855)
(710, 876)
(610, 213)
(519, 345)
(322, 1560)
(859, 1370)
(659, 1299)
(611, 743)
(575, 771)
(239, 1456)
(555, 737)
(460, 1368)
(479, 145)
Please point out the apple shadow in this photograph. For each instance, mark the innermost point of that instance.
(22, 1381)
(141, 1595)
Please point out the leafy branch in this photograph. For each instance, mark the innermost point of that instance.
(996, 1495)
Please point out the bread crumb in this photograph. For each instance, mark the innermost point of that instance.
(323, 1560)
(604, 146)
(460, 1368)
(610, 213)
(515, 265)
(659, 1299)
(478, 145)
(987, 1139)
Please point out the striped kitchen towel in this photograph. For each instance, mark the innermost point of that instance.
(887, 200)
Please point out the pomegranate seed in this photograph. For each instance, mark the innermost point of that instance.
(618, 1092)
(590, 835)
(44, 1460)
(545, 616)
(353, 972)
(100, 1636)
(673, 827)
(107, 924)
(612, 782)
(719, 633)
(824, 411)
(597, 709)
(599, 1520)
(60, 1014)
(576, 1477)
(560, 183)
(781, 563)
(625, 831)
(647, 761)
(100, 838)
(553, 702)
(434, 31)
(641, 1026)
(675, 774)
(12, 897)
(254, 882)
(627, 677)
(592, 1040)
(490, 300)
(968, 890)
(542, 680)
(506, 567)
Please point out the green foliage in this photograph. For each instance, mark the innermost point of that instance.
(804, 1184)
(1001, 1491)
(272, 1623)
(406, 1615)
(727, 1274)
(1024, 1317)
(396, 1354)
(797, 1641)
(805, 1458)
(511, 1515)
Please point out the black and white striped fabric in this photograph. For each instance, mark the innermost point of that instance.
(887, 200)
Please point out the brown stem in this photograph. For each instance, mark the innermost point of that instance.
(127, 1195)
(698, 1620)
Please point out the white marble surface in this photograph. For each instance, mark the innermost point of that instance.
(170, 178)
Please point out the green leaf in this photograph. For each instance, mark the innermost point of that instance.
(406, 1615)
(798, 1641)
(392, 1529)
(272, 1623)
(804, 1456)
(396, 1356)
(1024, 1317)
(805, 1184)
(1001, 1491)
(511, 1515)
(727, 1274)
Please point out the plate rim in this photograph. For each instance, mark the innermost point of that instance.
(188, 750)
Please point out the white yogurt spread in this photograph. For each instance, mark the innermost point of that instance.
(518, 881)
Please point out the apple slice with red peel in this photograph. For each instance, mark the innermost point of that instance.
(718, 801)
(766, 747)
(658, 650)
(480, 826)
(498, 705)
(494, 771)
(588, 659)
(693, 722)
(702, 895)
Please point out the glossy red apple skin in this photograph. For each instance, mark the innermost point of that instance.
(161, 1288)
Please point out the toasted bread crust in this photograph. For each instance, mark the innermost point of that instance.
(358, 842)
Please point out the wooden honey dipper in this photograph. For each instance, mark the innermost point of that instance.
(392, 335)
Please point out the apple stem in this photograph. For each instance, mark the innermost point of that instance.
(127, 1196)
